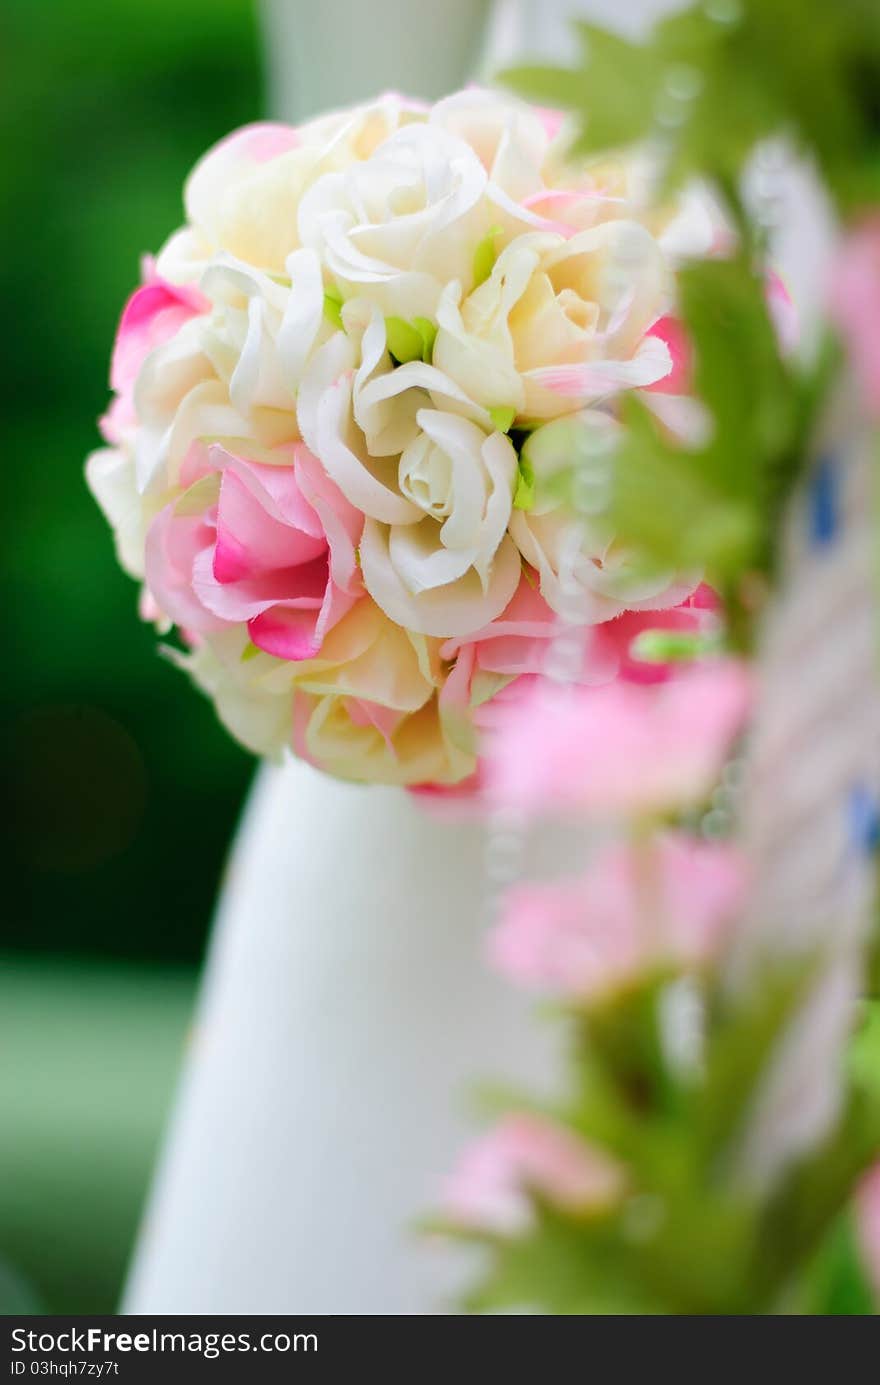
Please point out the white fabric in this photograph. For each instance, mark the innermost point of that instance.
(345, 1010)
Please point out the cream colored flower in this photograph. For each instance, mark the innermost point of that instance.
(263, 328)
(559, 323)
(455, 568)
(110, 473)
(242, 197)
(366, 745)
(177, 399)
(414, 210)
(507, 136)
(358, 412)
(365, 708)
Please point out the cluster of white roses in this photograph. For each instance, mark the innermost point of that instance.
(338, 396)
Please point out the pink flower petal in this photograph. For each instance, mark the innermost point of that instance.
(630, 912)
(489, 1189)
(671, 330)
(620, 748)
(854, 306)
(286, 632)
(250, 541)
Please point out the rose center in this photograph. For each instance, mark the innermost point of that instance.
(426, 477)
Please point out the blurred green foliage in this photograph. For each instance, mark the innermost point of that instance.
(718, 77)
(714, 81)
(691, 1235)
(124, 791)
(95, 1049)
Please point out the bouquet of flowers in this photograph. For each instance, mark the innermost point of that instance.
(341, 397)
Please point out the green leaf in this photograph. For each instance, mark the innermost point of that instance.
(427, 330)
(864, 1053)
(716, 507)
(564, 1268)
(742, 1038)
(502, 417)
(249, 652)
(612, 91)
(672, 646)
(814, 1194)
(333, 307)
(524, 495)
(838, 1285)
(671, 507)
(738, 373)
(405, 341)
(549, 86)
(485, 256)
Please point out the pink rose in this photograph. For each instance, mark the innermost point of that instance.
(632, 911)
(272, 546)
(489, 1190)
(152, 316)
(618, 749)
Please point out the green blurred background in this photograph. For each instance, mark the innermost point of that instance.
(123, 791)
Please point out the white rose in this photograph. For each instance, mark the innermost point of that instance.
(455, 568)
(253, 698)
(243, 194)
(358, 412)
(356, 132)
(110, 474)
(262, 329)
(329, 429)
(586, 575)
(507, 136)
(414, 208)
(559, 323)
(179, 398)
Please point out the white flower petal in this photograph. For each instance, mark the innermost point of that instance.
(329, 363)
(594, 380)
(454, 610)
(110, 474)
(369, 483)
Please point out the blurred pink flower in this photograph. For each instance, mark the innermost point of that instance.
(489, 1189)
(868, 1208)
(854, 305)
(619, 749)
(513, 645)
(668, 902)
(519, 645)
